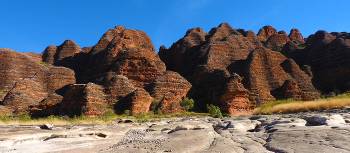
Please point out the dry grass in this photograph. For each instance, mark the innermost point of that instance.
(106, 119)
(290, 106)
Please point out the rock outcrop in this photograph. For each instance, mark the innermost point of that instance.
(117, 87)
(170, 89)
(137, 102)
(88, 99)
(277, 41)
(210, 61)
(235, 99)
(232, 68)
(265, 32)
(328, 56)
(295, 35)
(268, 70)
(25, 82)
(121, 62)
(129, 53)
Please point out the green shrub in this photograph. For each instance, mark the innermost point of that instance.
(127, 112)
(187, 104)
(214, 111)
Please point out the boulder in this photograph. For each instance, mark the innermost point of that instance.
(46, 126)
(315, 120)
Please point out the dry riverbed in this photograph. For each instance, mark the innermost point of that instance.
(323, 132)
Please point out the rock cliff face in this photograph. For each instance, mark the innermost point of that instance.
(210, 61)
(232, 68)
(88, 99)
(129, 53)
(122, 62)
(170, 89)
(268, 70)
(327, 54)
(235, 99)
(26, 82)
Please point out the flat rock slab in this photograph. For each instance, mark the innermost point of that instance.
(276, 133)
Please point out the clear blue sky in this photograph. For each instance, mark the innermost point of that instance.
(31, 25)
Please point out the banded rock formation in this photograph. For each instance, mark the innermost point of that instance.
(232, 68)
(327, 54)
(210, 60)
(122, 62)
(25, 82)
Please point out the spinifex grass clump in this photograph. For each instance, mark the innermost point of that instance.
(291, 106)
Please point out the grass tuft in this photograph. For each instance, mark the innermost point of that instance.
(290, 106)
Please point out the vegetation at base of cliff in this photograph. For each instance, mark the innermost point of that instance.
(187, 104)
(108, 118)
(214, 111)
(292, 106)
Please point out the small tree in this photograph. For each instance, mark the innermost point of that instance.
(187, 104)
(214, 111)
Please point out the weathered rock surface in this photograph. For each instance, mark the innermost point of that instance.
(88, 99)
(59, 77)
(327, 54)
(121, 61)
(201, 65)
(26, 82)
(265, 32)
(208, 60)
(295, 35)
(49, 106)
(258, 134)
(235, 99)
(117, 87)
(129, 53)
(49, 54)
(277, 41)
(137, 102)
(276, 69)
(170, 89)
